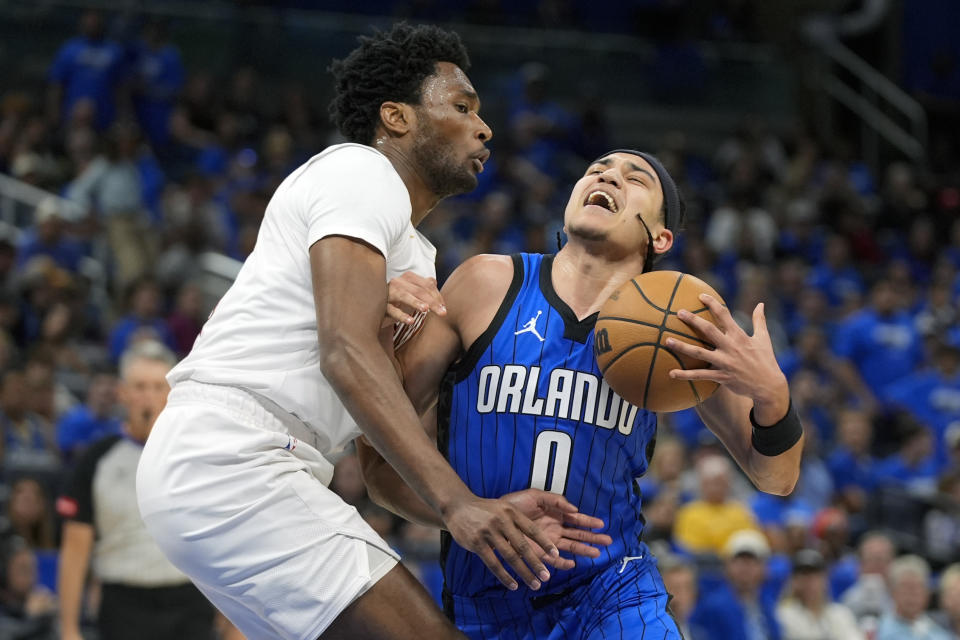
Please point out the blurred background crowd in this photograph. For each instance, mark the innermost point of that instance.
(137, 158)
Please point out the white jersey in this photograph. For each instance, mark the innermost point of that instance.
(262, 336)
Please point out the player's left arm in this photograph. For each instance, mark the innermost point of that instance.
(750, 379)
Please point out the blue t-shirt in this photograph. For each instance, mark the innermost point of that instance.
(774, 510)
(89, 69)
(125, 328)
(931, 397)
(66, 253)
(920, 478)
(159, 76)
(724, 617)
(527, 407)
(837, 284)
(849, 470)
(884, 349)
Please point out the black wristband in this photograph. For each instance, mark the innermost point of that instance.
(778, 437)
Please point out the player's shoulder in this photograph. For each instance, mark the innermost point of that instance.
(480, 280)
(352, 155)
(348, 166)
(483, 271)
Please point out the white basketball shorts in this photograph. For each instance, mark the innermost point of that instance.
(239, 503)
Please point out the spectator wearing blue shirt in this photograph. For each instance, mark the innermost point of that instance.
(814, 398)
(880, 342)
(47, 238)
(837, 276)
(158, 77)
(920, 251)
(773, 512)
(810, 309)
(914, 467)
(909, 578)
(811, 354)
(801, 236)
(734, 609)
(939, 310)
(853, 467)
(932, 396)
(541, 128)
(25, 442)
(88, 68)
(144, 320)
(85, 424)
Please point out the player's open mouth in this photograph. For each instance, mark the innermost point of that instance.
(601, 199)
(477, 165)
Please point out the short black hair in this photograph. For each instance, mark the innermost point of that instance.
(388, 66)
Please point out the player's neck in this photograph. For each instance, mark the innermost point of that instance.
(585, 280)
(422, 199)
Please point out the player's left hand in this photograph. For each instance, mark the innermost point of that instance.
(409, 294)
(560, 520)
(743, 364)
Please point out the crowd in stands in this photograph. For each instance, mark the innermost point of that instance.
(859, 270)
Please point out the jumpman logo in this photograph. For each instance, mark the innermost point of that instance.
(531, 327)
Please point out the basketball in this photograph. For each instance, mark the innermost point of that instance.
(631, 335)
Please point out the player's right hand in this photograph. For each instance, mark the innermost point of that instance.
(490, 527)
(409, 294)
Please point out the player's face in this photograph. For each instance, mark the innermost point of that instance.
(449, 140)
(143, 393)
(608, 202)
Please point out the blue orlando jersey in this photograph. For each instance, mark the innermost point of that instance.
(527, 407)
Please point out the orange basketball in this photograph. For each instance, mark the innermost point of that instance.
(631, 335)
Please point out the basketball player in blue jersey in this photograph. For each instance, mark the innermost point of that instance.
(522, 404)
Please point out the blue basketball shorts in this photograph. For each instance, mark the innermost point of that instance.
(626, 600)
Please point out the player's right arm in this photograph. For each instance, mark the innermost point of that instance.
(349, 286)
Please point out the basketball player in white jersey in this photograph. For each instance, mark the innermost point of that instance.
(232, 483)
